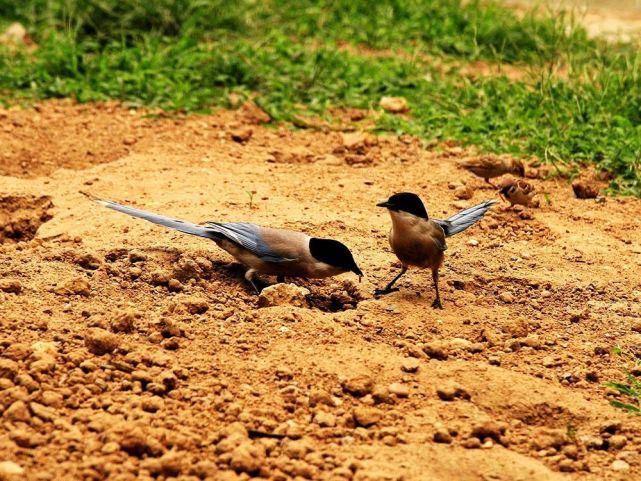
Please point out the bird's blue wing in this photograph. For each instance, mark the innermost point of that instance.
(464, 219)
(249, 237)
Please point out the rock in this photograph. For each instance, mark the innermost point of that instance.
(25, 438)
(18, 411)
(170, 464)
(9, 469)
(152, 404)
(76, 286)
(242, 134)
(398, 389)
(247, 458)
(174, 285)
(506, 297)
(99, 341)
(89, 261)
(617, 441)
(17, 352)
(283, 295)
(490, 429)
(381, 394)
(43, 412)
(139, 443)
(358, 142)
(325, 419)
(436, 350)
(319, 396)
(12, 286)
(464, 192)
(619, 465)
(296, 449)
(472, 443)
(194, 304)
(451, 391)
(125, 321)
(8, 368)
(137, 256)
(410, 364)
(394, 105)
(584, 189)
(359, 386)
(442, 436)
(366, 416)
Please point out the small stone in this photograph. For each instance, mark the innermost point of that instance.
(566, 466)
(506, 297)
(398, 389)
(125, 322)
(76, 286)
(152, 404)
(137, 256)
(366, 416)
(442, 436)
(617, 441)
(472, 443)
(436, 350)
(619, 465)
(490, 429)
(451, 391)
(584, 189)
(247, 458)
(99, 341)
(43, 412)
(296, 449)
(242, 134)
(410, 364)
(464, 192)
(472, 242)
(12, 286)
(18, 411)
(325, 419)
(394, 105)
(359, 386)
(174, 285)
(89, 261)
(283, 295)
(9, 469)
(193, 304)
(381, 394)
(17, 352)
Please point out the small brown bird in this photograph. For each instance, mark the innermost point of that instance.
(490, 166)
(517, 191)
(418, 240)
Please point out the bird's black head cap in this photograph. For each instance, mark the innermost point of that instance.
(405, 202)
(334, 253)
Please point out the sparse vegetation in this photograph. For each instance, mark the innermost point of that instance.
(190, 55)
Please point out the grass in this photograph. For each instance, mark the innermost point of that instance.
(190, 54)
(629, 391)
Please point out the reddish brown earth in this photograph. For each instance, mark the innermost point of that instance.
(133, 352)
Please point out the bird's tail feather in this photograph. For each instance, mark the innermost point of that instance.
(179, 225)
(468, 217)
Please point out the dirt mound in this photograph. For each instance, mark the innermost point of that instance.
(133, 352)
(21, 216)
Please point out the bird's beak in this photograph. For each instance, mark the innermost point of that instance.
(385, 204)
(358, 272)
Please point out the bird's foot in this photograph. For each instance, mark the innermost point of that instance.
(437, 304)
(280, 279)
(387, 290)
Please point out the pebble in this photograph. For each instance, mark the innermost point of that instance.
(410, 364)
(450, 391)
(76, 286)
(9, 468)
(283, 295)
(400, 390)
(367, 416)
(442, 436)
(617, 441)
(619, 465)
(12, 286)
(359, 386)
(18, 411)
(394, 105)
(125, 322)
(436, 350)
(242, 134)
(99, 341)
(506, 297)
(472, 443)
(325, 419)
(247, 458)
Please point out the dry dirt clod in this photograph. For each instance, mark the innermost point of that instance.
(99, 341)
(242, 134)
(17, 411)
(76, 286)
(410, 364)
(248, 458)
(359, 386)
(367, 416)
(452, 390)
(584, 189)
(13, 286)
(283, 295)
(10, 470)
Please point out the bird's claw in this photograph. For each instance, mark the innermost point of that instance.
(382, 292)
(437, 304)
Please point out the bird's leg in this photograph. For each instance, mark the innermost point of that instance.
(249, 276)
(488, 182)
(280, 279)
(388, 288)
(437, 302)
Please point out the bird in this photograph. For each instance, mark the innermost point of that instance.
(517, 191)
(263, 250)
(490, 166)
(417, 240)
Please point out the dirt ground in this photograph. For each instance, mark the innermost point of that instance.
(128, 351)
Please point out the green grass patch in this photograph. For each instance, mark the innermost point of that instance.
(190, 54)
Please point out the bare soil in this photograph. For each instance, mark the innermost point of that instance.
(133, 352)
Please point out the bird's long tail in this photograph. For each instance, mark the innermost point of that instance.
(466, 218)
(179, 225)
